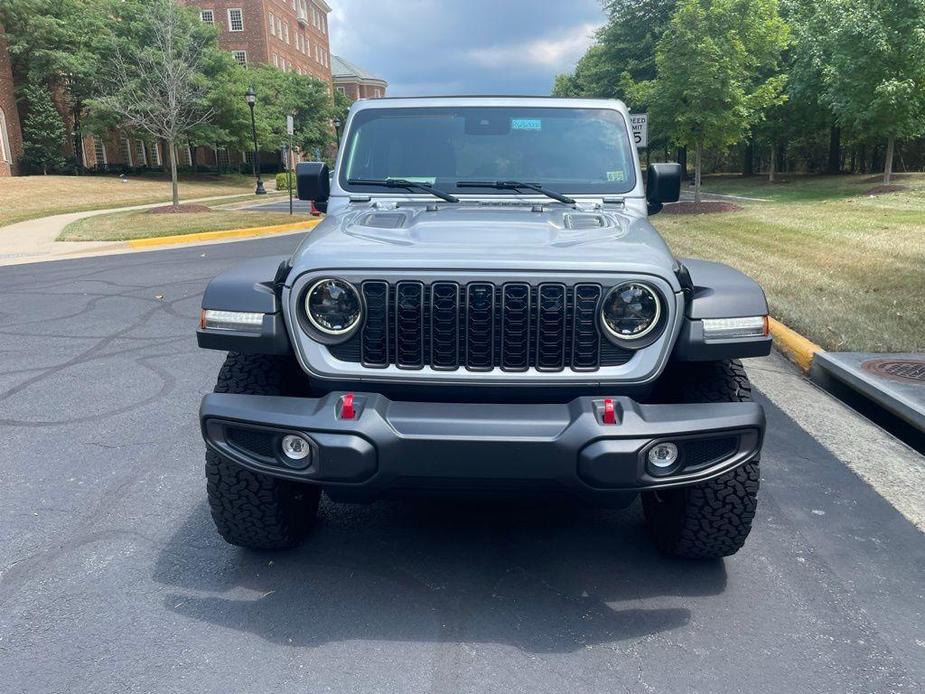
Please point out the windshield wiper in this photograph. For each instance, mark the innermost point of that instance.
(402, 183)
(514, 185)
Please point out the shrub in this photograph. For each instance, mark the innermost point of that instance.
(282, 181)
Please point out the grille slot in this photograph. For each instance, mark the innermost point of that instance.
(409, 325)
(444, 325)
(481, 326)
(586, 341)
(375, 345)
(702, 452)
(515, 326)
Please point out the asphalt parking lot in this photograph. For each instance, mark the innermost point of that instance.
(112, 578)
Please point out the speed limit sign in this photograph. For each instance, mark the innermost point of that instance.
(640, 125)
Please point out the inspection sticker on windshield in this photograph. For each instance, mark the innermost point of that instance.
(526, 124)
(616, 176)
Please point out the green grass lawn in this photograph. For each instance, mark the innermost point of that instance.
(29, 197)
(843, 268)
(141, 224)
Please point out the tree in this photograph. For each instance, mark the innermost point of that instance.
(59, 43)
(872, 57)
(43, 130)
(715, 73)
(154, 78)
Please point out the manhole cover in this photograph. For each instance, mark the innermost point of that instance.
(898, 369)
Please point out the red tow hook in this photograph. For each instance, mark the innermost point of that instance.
(610, 412)
(347, 410)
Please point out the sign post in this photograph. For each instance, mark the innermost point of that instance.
(290, 130)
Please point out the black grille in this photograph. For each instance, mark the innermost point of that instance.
(481, 326)
(702, 452)
(252, 441)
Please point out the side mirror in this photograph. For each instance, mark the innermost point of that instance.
(663, 184)
(313, 181)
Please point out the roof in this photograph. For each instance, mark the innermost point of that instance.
(491, 101)
(345, 70)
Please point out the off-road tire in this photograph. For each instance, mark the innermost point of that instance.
(711, 519)
(250, 509)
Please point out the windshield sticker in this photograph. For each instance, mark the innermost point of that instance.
(526, 124)
(616, 176)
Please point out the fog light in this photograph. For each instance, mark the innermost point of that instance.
(297, 449)
(662, 458)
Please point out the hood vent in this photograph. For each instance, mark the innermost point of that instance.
(585, 221)
(382, 220)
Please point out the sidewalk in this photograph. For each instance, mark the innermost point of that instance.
(35, 240)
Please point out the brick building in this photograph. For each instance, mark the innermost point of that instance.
(289, 34)
(10, 134)
(354, 82)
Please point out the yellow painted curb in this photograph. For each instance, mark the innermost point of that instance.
(794, 345)
(219, 235)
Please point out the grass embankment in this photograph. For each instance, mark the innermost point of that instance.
(844, 268)
(30, 197)
(142, 224)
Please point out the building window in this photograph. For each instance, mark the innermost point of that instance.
(187, 156)
(235, 19)
(5, 153)
(221, 158)
(126, 152)
(207, 17)
(156, 149)
(286, 32)
(272, 24)
(342, 91)
(275, 60)
(99, 149)
(141, 156)
(240, 57)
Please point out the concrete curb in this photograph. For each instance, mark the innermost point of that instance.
(219, 235)
(795, 347)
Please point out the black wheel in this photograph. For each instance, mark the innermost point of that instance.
(710, 519)
(250, 509)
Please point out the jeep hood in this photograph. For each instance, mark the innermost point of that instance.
(485, 237)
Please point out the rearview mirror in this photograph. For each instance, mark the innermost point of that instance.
(313, 181)
(663, 184)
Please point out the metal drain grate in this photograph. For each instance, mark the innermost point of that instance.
(898, 369)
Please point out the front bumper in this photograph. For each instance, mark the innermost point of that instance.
(396, 445)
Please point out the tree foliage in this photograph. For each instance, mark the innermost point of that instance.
(43, 130)
(716, 72)
(871, 58)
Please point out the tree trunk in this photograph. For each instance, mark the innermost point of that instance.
(772, 169)
(698, 170)
(888, 164)
(173, 172)
(834, 165)
(78, 141)
(748, 159)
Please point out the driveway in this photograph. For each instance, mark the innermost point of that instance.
(112, 578)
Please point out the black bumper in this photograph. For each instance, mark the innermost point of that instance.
(392, 445)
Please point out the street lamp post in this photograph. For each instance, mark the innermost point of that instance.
(251, 97)
(337, 124)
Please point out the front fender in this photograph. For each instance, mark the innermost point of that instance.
(250, 287)
(719, 291)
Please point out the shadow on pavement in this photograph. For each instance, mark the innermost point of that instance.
(540, 577)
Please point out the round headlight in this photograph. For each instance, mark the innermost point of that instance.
(631, 311)
(333, 306)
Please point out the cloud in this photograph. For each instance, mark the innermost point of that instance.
(426, 47)
(556, 53)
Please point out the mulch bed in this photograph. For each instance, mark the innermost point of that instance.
(706, 207)
(179, 209)
(883, 190)
(879, 178)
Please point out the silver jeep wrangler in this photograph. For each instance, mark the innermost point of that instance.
(485, 308)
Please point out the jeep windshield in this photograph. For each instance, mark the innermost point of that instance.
(563, 150)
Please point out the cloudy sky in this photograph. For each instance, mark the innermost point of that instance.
(464, 46)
